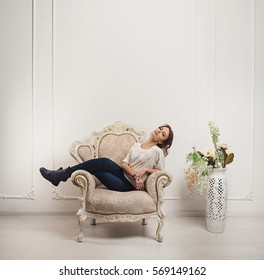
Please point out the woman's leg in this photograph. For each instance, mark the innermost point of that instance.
(106, 170)
(103, 164)
(113, 182)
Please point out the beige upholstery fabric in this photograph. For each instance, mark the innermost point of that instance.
(111, 202)
(85, 153)
(114, 142)
(115, 147)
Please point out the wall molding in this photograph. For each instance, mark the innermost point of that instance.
(58, 196)
(169, 213)
(30, 195)
(55, 193)
(248, 196)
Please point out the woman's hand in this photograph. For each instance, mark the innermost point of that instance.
(138, 178)
(140, 173)
(140, 184)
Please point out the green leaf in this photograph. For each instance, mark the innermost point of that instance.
(214, 131)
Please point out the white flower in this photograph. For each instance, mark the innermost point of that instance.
(191, 177)
(209, 153)
(224, 146)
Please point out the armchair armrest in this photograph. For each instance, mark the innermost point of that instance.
(85, 181)
(156, 182)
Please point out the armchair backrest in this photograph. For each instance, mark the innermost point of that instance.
(113, 141)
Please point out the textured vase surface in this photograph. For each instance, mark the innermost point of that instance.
(216, 201)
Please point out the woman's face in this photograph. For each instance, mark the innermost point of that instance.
(160, 134)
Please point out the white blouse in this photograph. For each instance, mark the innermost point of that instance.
(138, 158)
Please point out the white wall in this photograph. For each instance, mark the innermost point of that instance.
(69, 67)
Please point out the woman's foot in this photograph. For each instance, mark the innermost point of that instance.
(55, 176)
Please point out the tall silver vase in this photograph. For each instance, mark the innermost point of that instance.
(216, 201)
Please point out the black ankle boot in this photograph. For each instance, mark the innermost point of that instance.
(55, 176)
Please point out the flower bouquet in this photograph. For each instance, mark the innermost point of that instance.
(202, 163)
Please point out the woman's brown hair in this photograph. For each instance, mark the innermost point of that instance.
(168, 142)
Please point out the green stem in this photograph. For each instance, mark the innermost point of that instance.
(217, 155)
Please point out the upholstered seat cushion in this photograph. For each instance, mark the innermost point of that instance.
(111, 202)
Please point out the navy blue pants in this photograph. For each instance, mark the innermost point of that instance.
(107, 172)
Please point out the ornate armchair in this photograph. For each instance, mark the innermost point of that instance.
(113, 142)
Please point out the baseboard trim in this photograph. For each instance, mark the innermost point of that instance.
(183, 213)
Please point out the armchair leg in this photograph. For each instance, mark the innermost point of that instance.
(159, 237)
(80, 235)
(93, 223)
(144, 222)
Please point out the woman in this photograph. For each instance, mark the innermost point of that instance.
(141, 160)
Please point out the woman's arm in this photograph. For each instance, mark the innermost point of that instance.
(137, 173)
(127, 168)
(138, 176)
(146, 170)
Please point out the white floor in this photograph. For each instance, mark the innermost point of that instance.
(53, 237)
